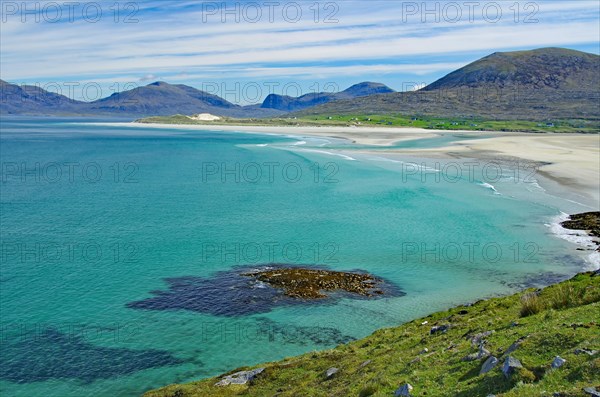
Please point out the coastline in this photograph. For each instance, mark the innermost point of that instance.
(569, 159)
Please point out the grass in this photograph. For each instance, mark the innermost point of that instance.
(398, 120)
(559, 319)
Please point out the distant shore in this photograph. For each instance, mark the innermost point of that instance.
(572, 160)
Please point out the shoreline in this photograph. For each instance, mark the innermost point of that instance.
(569, 159)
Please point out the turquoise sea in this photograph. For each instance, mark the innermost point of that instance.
(122, 247)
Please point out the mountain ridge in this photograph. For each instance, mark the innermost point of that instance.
(540, 84)
(290, 104)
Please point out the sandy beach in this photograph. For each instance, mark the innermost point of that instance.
(572, 160)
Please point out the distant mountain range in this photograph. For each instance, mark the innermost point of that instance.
(163, 99)
(158, 98)
(538, 84)
(290, 104)
(547, 83)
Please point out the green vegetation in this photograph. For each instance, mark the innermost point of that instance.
(563, 322)
(396, 120)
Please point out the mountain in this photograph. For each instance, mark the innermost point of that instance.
(290, 104)
(156, 99)
(547, 68)
(28, 99)
(542, 84)
(161, 98)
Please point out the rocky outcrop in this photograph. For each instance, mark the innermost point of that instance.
(239, 378)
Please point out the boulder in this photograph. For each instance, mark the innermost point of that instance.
(558, 362)
(488, 365)
(330, 373)
(404, 390)
(510, 365)
(239, 378)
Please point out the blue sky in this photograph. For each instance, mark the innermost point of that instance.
(248, 49)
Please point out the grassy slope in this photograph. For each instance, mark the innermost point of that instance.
(441, 372)
(395, 120)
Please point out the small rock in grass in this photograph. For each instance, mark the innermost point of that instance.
(364, 364)
(510, 365)
(482, 353)
(330, 373)
(558, 362)
(514, 346)
(586, 351)
(404, 390)
(592, 391)
(477, 338)
(439, 328)
(488, 365)
(426, 350)
(239, 378)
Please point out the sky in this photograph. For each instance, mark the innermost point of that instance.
(244, 50)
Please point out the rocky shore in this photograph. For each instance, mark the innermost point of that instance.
(588, 221)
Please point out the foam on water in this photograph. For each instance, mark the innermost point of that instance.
(578, 237)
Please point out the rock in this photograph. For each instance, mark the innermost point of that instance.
(364, 364)
(477, 338)
(586, 351)
(482, 353)
(488, 365)
(439, 328)
(510, 365)
(415, 360)
(514, 346)
(558, 362)
(592, 391)
(404, 390)
(330, 373)
(239, 378)
(426, 350)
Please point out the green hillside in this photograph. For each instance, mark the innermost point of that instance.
(533, 327)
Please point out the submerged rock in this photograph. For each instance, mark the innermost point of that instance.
(298, 282)
(239, 378)
(249, 290)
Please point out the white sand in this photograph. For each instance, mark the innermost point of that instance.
(573, 160)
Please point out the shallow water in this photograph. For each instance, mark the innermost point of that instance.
(96, 218)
